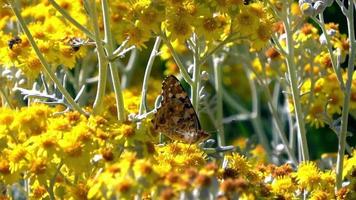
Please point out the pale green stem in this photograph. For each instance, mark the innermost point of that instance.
(195, 87)
(347, 93)
(335, 64)
(292, 72)
(102, 60)
(46, 67)
(52, 181)
(178, 61)
(148, 70)
(128, 71)
(219, 101)
(278, 124)
(278, 45)
(256, 120)
(5, 98)
(117, 51)
(275, 117)
(113, 69)
(66, 15)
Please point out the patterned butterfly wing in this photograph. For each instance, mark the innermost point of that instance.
(176, 117)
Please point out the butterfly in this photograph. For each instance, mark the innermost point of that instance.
(176, 117)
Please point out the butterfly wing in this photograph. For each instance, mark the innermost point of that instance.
(176, 117)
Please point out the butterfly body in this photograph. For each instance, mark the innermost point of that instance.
(176, 117)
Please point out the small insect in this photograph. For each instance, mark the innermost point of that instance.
(13, 41)
(176, 117)
(75, 43)
(246, 2)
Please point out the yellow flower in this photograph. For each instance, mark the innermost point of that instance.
(328, 181)
(305, 91)
(31, 121)
(335, 102)
(125, 188)
(6, 175)
(307, 32)
(324, 60)
(41, 169)
(308, 176)
(178, 157)
(262, 35)
(137, 35)
(5, 14)
(283, 186)
(238, 163)
(77, 146)
(7, 116)
(349, 164)
(315, 114)
(151, 18)
(320, 194)
(38, 191)
(77, 191)
(179, 29)
(17, 157)
(246, 22)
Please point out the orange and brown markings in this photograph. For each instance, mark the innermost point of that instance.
(176, 117)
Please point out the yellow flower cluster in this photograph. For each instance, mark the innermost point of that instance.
(212, 20)
(54, 36)
(58, 152)
(71, 156)
(138, 21)
(321, 94)
(320, 91)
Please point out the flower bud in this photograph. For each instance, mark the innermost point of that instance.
(307, 9)
(204, 75)
(191, 69)
(304, 1)
(319, 7)
(322, 39)
(331, 32)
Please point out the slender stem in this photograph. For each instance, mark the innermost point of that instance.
(66, 15)
(113, 69)
(153, 55)
(219, 101)
(347, 95)
(5, 98)
(335, 64)
(277, 45)
(276, 119)
(178, 61)
(256, 120)
(116, 53)
(46, 67)
(195, 87)
(292, 72)
(129, 69)
(278, 123)
(52, 181)
(102, 60)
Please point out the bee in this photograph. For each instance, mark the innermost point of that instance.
(15, 40)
